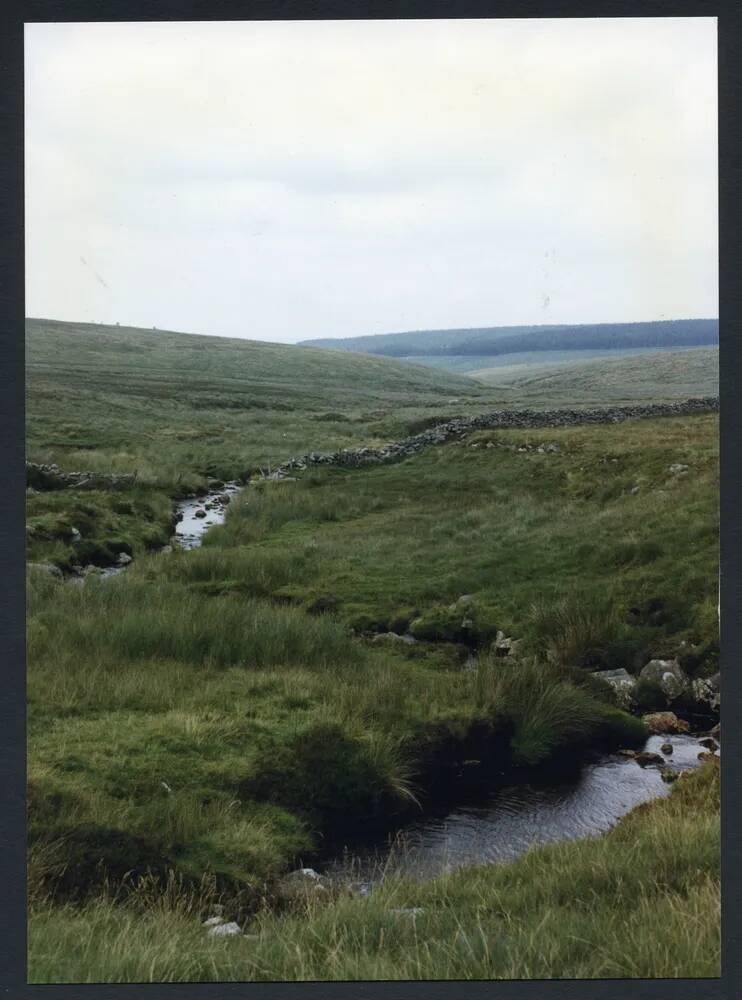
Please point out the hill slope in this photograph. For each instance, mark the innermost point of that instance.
(172, 404)
(657, 376)
(495, 341)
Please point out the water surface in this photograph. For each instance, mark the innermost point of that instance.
(515, 817)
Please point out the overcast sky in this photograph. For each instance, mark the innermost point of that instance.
(280, 181)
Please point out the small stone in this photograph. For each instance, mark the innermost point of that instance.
(213, 921)
(199, 513)
(665, 722)
(646, 758)
(123, 559)
(627, 753)
(225, 930)
(677, 468)
(666, 749)
(709, 743)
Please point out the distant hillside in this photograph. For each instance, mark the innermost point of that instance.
(175, 406)
(660, 376)
(230, 371)
(495, 341)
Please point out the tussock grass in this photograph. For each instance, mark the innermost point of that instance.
(548, 710)
(145, 620)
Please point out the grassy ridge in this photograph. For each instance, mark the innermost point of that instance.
(642, 901)
(178, 408)
(653, 377)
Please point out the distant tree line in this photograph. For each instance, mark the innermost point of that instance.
(492, 341)
(603, 336)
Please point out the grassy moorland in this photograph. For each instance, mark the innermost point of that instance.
(205, 719)
(657, 376)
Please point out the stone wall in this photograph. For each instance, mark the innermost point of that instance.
(51, 477)
(498, 419)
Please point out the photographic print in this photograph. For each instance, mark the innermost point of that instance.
(372, 500)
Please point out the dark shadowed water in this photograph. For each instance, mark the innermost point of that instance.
(516, 817)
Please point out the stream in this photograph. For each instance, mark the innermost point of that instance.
(502, 824)
(515, 817)
(195, 516)
(193, 525)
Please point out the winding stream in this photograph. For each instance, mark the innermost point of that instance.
(515, 817)
(499, 826)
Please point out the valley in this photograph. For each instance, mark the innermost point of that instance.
(334, 655)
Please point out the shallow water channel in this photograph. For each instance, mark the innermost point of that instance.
(193, 525)
(514, 817)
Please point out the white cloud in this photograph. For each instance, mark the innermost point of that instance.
(282, 180)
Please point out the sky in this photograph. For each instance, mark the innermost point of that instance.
(288, 180)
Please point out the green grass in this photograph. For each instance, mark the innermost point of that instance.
(654, 376)
(642, 901)
(207, 717)
(177, 408)
(395, 546)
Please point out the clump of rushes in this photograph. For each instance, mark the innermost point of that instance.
(332, 775)
(549, 712)
(575, 630)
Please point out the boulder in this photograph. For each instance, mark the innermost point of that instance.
(301, 882)
(668, 674)
(665, 722)
(621, 681)
(199, 513)
(709, 743)
(123, 559)
(646, 757)
(504, 645)
(706, 694)
(627, 753)
(666, 749)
